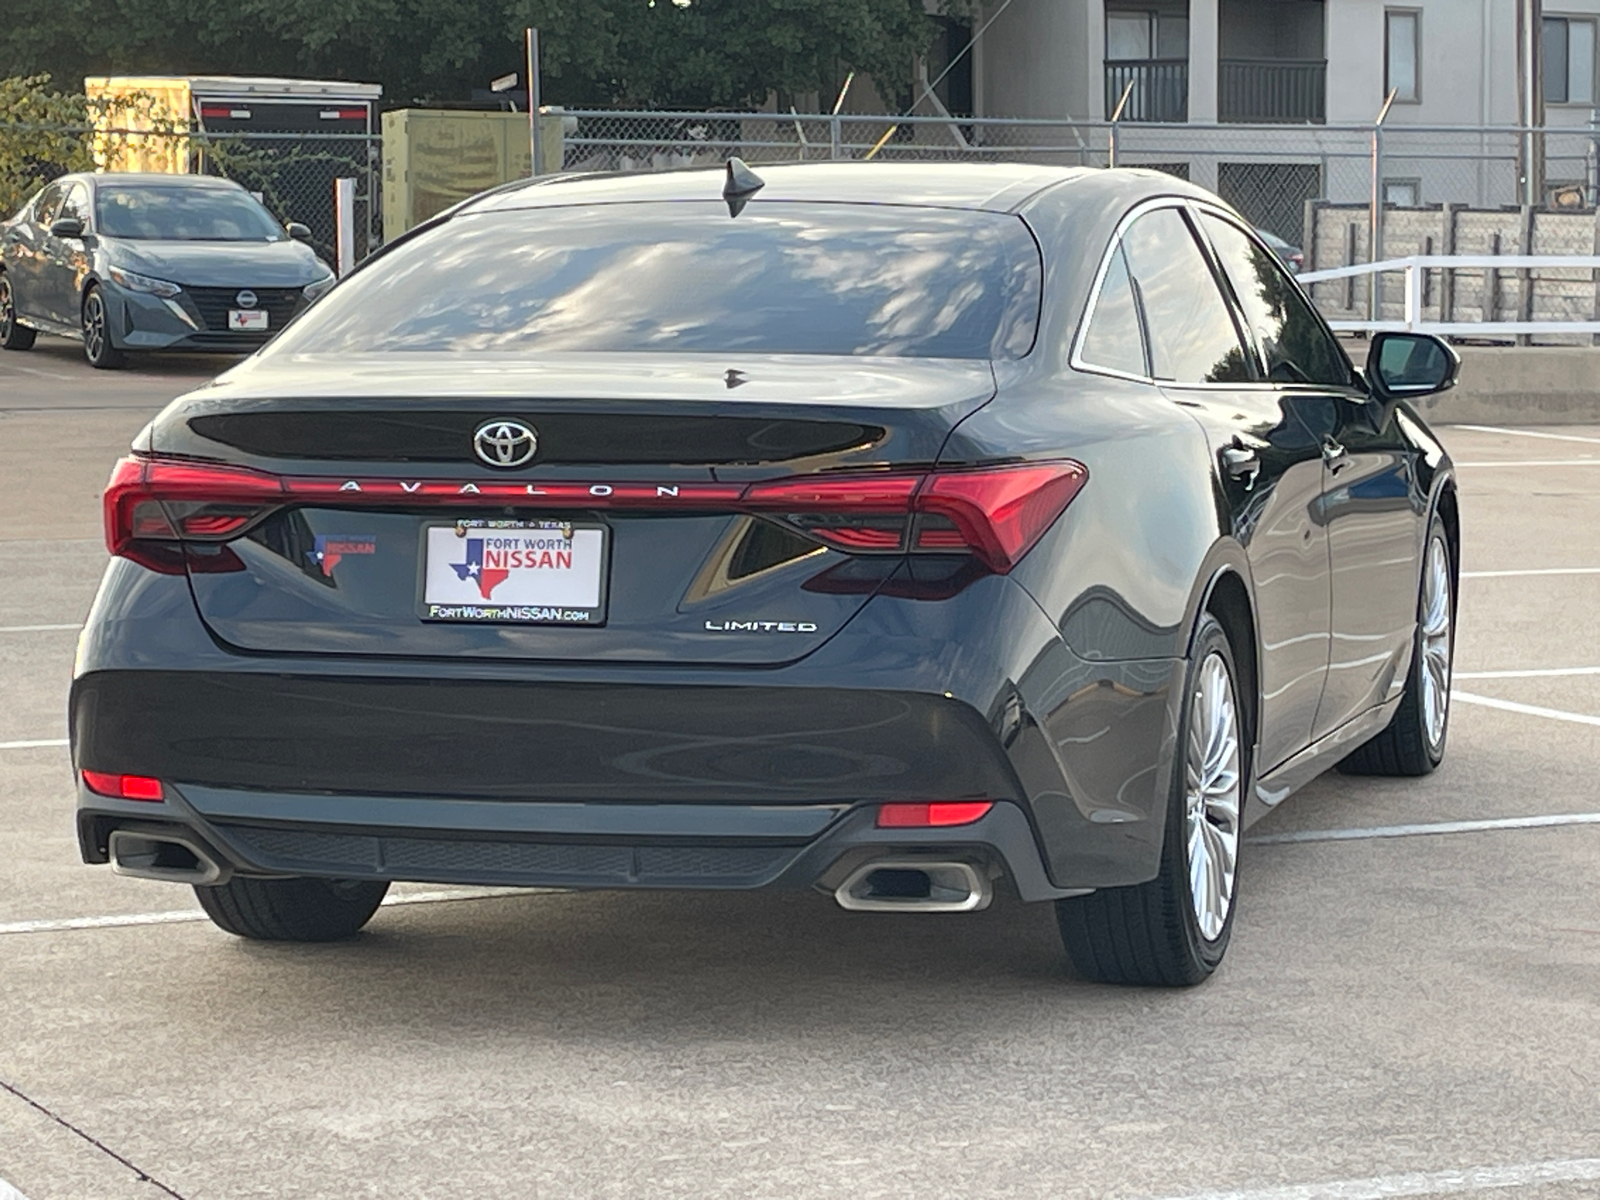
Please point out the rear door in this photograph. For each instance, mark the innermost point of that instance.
(1271, 467)
(635, 471)
(1366, 508)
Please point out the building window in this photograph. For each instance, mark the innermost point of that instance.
(1401, 62)
(1142, 35)
(1568, 61)
(1403, 193)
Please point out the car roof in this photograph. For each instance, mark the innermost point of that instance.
(149, 178)
(989, 187)
(995, 187)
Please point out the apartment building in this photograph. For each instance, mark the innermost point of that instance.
(1258, 98)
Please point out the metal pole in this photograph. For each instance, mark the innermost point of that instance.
(344, 216)
(534, 140)
(1375, 215)
(1116, 116)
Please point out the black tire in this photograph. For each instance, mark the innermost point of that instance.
(97, 347)
(13, 334)
(1150, 934)
(1407, 746)
(292, 910)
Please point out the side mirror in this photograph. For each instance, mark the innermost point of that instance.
(67, 227)
(299, 232)
(1405, 365)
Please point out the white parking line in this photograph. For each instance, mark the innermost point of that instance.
(1485, 825)
(1529, 433)
(1420, 1183)
(1535, 673)
(1530, 571)
(1537, 462)
(37, 628)
(7, 1192)
(183, 916)
(33, 745)
(1527, 710)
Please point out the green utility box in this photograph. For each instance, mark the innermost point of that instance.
(434, 157)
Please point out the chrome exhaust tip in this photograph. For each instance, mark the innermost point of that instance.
(164, 856)
(914, 885)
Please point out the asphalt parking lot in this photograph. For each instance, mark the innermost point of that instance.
(1411, 1004)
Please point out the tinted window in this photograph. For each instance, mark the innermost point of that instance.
(1114, 339)
(1192, 337)
(1298, 347)
(159, 212)
(687, 278)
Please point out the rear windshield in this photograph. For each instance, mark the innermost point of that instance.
(162, 213)
(685, 277)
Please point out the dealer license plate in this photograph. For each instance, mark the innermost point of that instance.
(535, 572)
(248, 320)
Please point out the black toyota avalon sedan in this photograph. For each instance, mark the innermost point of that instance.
(131, 262)
(905, 532)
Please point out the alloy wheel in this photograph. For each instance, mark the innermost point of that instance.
(7, 309)
(1436, 642)
(1213, 795)
(94, 326)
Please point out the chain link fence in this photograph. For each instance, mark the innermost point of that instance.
(1276, 175)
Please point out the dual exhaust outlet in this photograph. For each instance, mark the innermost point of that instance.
(880, 885)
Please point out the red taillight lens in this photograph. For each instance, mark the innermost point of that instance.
(936, 814)
(146, 495)
(123, 787)
(1001, 512)
(995, 514)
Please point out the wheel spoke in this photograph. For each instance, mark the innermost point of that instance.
(1213, 794)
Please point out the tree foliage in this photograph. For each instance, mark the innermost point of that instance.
(723, 53)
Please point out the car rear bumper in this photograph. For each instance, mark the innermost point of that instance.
(436, 769)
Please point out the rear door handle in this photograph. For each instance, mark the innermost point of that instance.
(1241, 462)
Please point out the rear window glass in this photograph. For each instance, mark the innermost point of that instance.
(779, 279)
(182, 214)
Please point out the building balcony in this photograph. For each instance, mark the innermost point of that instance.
(1290, 91)
(1160, 90)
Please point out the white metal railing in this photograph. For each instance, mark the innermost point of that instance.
(1416, 268)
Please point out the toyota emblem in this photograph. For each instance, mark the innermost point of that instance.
(245, 299)
(505, 443)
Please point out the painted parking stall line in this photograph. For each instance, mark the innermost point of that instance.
(1530, 433)
(1419, 1183)
(1530, 571)
(1426, 829)
(33, 744)
(38, 628)
(1527, 710)
(186, 916)
(7, 1192)
(1531, 673)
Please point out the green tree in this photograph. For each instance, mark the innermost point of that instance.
(723, 53)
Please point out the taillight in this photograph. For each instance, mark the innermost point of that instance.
(122, 787)
(993, 514)
(934, 815)
(151, 503)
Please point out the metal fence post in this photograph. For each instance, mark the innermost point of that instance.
(835, 135)
(1375, 218)
(344, 216)
(1116, 119)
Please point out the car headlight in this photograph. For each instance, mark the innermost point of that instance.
(136, 282)
(316, 287)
